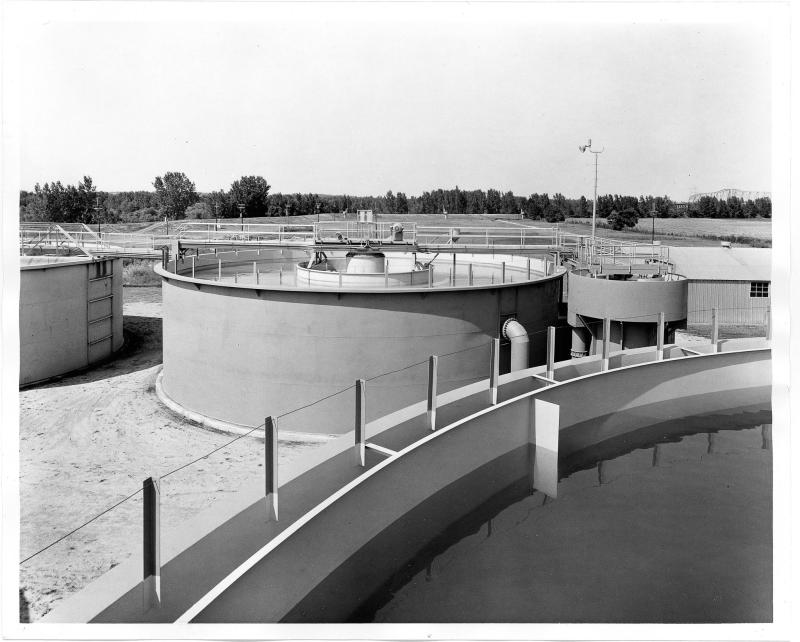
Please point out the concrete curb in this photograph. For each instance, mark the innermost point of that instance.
(228, 428)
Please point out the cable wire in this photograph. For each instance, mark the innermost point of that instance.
(75, 530)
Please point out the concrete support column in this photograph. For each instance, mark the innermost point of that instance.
(660, 338)
(551, 350)
(715, 329)
(580, 342)
(151, 544)
(361, 422)
(494, 372)
(433, 379)
(606, 342)
(271, 467)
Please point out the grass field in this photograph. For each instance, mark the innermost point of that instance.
(737, 230)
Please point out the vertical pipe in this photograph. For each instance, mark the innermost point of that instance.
(714, 330)
(469, 273)
(385, 274)
(494, 373)
(271, 467)
(430, 275)
(660, 338)
(606, 342)
(503, 271)
(768, 324)
(219, 274)
(528, 260)
(255, 271)
(433, 379)
(361, 422)
(193, 267)
(551, 350)
(151, 545)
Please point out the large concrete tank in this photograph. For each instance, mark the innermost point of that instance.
(70, 314)
(237, 351)
(632, 305)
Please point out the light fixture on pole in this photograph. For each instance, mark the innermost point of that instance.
(588, 147)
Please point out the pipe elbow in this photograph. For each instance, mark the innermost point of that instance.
(514, 331)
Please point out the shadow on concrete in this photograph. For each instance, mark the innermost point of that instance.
(143, 348)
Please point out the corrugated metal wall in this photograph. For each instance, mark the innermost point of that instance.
(732, 298)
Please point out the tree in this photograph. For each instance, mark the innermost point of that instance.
(401, 203)
(175, 193)
(200, 209)
(252, 191)
(623, 219)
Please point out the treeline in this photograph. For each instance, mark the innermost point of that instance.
(175, 197)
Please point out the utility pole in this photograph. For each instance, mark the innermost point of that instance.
(653, 233)
(97, 209)
(583, 148)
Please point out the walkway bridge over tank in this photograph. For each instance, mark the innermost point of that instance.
(601, 254)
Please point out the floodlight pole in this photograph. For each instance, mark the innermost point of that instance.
(584, 148)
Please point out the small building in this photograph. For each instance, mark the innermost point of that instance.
(735, 280)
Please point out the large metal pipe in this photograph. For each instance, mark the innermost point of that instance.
(518, 336)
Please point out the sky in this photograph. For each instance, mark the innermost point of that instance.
(393, 97)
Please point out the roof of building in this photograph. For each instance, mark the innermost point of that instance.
(722, 263)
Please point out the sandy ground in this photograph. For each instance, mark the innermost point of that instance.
(89, 440)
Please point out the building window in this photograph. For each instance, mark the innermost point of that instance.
(759, 289)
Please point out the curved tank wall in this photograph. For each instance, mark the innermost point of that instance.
(237, 352)
(642, 299)
(70, 314)
(632, 305)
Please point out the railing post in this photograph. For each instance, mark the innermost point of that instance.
(271, 467)
(660, 338)
(551, 350)
(606, 342)
(768, 323)
(714, 330)
(433, 378)
(361, 422)
(494, 373)
(151, 545)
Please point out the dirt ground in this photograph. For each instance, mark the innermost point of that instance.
(89, 440)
